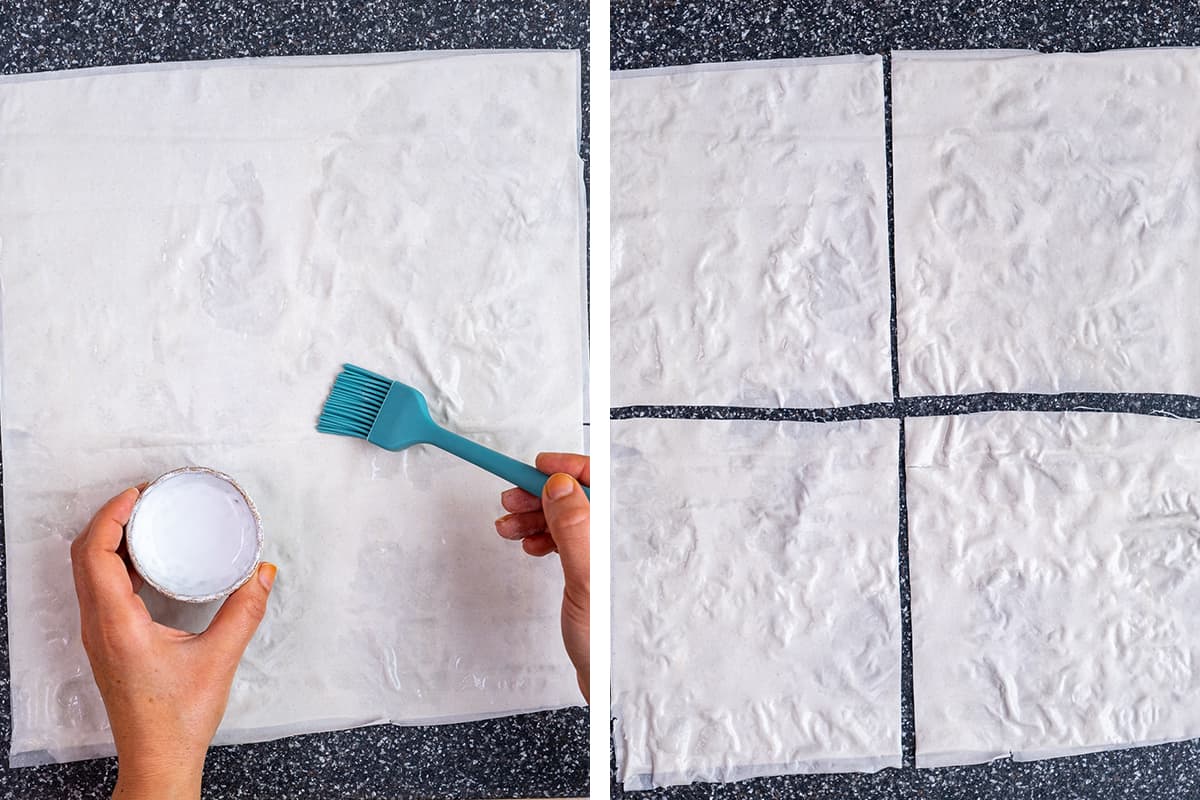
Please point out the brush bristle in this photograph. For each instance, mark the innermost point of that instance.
(357, 396)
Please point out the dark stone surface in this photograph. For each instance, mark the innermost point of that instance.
(533, 755)
(530, 755)
(1168, 405)
(654, 34)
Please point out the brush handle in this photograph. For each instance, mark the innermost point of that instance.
(511, 470)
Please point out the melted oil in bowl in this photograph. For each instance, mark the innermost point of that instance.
(194, 535)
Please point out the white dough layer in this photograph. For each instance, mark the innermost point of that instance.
(188, 256)
(193, 535)
(756, 605)
(1047, 221)
(1054, 583)
(749, 235)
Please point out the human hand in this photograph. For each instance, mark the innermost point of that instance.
(165, 690)
(559, 521)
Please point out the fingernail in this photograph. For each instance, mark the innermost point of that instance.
(559, 486)
(266, 574)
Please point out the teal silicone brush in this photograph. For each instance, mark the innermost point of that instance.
(394, 416)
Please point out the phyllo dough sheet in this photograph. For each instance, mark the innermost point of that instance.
(1047, 212)
(1054, 583)
(189, 253)
(749, 234)
(756, 607)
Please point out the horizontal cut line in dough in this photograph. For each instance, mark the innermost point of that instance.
(1167, 405)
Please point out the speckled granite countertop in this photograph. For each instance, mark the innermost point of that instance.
(534, 755)
(649, 33)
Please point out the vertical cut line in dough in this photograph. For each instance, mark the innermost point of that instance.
(893, 337)
(908, 727)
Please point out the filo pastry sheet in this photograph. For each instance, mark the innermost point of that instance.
(749, 234)
(756, 607)
(1047, 221)
(1054, 583)
(189, 254)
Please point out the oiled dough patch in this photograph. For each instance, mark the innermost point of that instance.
(749, 235)
(756, 607)
(1054, 583)
(1047, 221)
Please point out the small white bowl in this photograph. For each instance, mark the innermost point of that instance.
(194, 535)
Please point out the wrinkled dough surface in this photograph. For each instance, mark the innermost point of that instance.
(756, 610)
(749, 235)
(1047, 221)
(188, 255)
(1054, 583)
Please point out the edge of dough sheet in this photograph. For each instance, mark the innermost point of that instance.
(62, 755)
(293, 62)
(640, 781)
(584, 263)
(223, 738)
(582, 232)
(900, 56)
(35, 757)
(726, 66)
(959, 758)
(960, 55)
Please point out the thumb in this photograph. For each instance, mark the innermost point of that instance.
(238, 618)
(568, 516)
